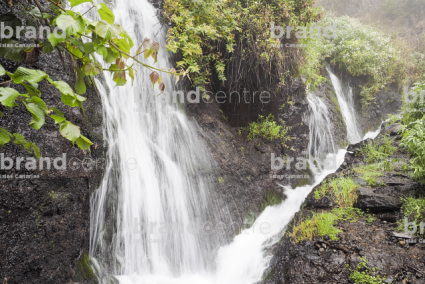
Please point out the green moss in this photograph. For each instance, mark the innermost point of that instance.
(271, 198)
(84, 271)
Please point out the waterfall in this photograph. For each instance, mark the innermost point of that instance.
(146, 216)
(346, 104)
(157, 176)
(320, 136)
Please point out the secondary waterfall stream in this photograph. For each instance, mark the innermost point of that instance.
(156, 176)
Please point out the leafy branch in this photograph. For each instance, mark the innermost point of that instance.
(82, 39)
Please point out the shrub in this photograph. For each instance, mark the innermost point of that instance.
(365, 275)
(267, 128)
(362, 51)
(342, 189)
(319, 224)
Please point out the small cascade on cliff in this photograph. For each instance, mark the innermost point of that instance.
(346, 104)
(320, 136)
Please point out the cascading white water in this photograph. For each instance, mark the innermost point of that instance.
(346, 104)
(154, 189)
(320, 136)
(157, 174)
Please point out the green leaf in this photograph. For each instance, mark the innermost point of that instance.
(9, 95)
(106, 14)
(46, 16)
(36, 150)
(47, 47)
(123, 45)
(112, 56)
(84, 143)
(80, 86)
(34, 11)
(1, 114)
(20, 140)
(2, 71)
(55, 39)
(64, 88)
(92, 68)
(4, 136)
(57, 111)
(31, 75)
(78, 2)
(38, 116)
(10, 21)
(40, 103)
(12, 49)
(69, 131)
(102, 50)
(77, 43)
(106, 31)
(70, 25)
(89, 47)
(32, 88)
(58, 119)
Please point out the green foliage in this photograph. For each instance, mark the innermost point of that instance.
(199, 26)
(267, 128)
(319, 224)
(369, 173)
(18, 139)
(362, 51)
(414, 140)
(342, 189)
(204, 31)
(220, 180)
(103, 37)
(378, 152)
(348, 213)
(365, 275)
(413, 209)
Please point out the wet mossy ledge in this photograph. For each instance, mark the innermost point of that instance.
(84, 272)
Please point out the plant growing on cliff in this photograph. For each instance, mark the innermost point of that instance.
(81, 39)
(413, 209)
(342, 190)
(363, 274)
(267, 128)
(363, 51)
(207, 31)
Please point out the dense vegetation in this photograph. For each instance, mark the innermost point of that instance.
(81, 39)
(210, 33)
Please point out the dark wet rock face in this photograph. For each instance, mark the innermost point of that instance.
(44, 213)
(368, 199)
(399, 256)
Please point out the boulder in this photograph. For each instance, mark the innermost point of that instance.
(376, 202)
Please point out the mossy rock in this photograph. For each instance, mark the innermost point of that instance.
(84, 273)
